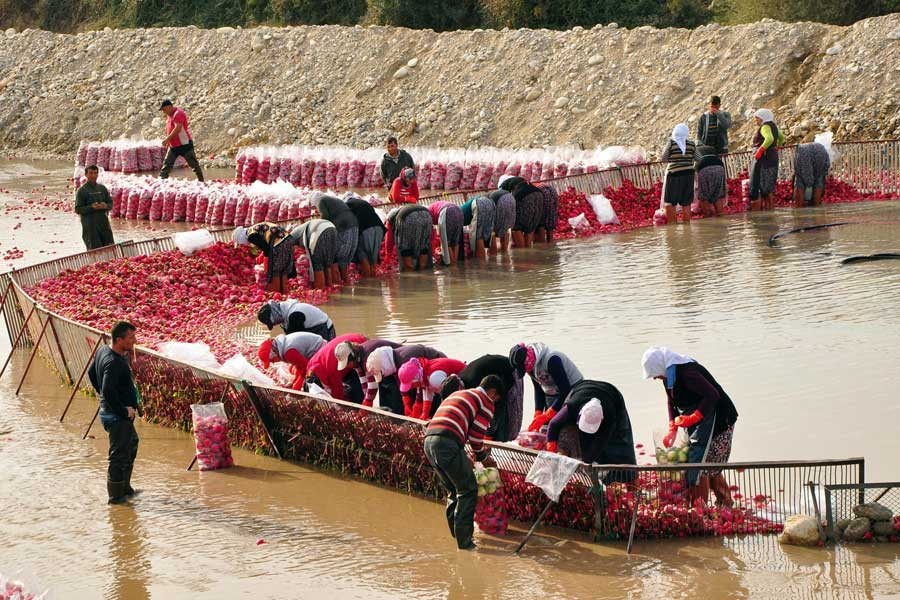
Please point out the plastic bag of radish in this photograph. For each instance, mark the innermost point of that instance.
(211, 436)
(490, 510)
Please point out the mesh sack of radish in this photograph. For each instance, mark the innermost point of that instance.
(211, 436)
(81, 157)
(674, 454)
(490, 510)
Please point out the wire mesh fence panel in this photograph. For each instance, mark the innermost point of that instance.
(842, 503)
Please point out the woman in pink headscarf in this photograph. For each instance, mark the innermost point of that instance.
(420, 379)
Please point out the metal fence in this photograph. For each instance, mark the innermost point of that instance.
(614, 501)
(840, 499)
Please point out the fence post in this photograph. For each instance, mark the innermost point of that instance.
(18, 338)
(257, 408)
(862, 481)
(84, 371)
(34, 351)
(62, 355)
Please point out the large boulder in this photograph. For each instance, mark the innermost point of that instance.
(856, 529)
(800, 530)
(873, 511)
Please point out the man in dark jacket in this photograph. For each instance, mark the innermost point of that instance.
(393, 162)
(92, 202)
(110, 374)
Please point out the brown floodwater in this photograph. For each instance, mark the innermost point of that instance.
(805, 347)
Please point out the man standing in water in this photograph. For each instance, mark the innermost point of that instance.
(463, 416)
(178, 140)
(110, 375)
(393, 162)
(713, 126)
(92, 202)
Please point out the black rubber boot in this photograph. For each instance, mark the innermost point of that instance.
(116, 492)
(129, 491)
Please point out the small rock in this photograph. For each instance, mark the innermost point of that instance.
(885, 528)
(108, 75)
(532, 95)
(873, 511)
(258, 42)
(595, 59)
(840, 526)
(561, 102)
(894, 35)
(856, 529)
(800, 530)
(474, 135)
(11, 32)
(836, 49)
(412, 63)
(613, 25)
(231, 131)
(401, 73)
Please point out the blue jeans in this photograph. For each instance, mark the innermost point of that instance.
(457, 476)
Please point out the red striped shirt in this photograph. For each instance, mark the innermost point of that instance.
(466, 416)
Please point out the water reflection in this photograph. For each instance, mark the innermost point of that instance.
(130, 566)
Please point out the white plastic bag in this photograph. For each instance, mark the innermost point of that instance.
(826, 138)
(677, 452)
(551, 472)
(197, 354)
(189, 242)
(238, 367)
(603, 209)
(579, 222)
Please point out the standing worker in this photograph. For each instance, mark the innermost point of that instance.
(678, 189)
(764, 166)
(110, 375)
(713, 126)
(811, 164)
(92, 202)
(394, 162)
(178, 140)
(462, 417)
(294, 316)
(698, 404)
(336, 210)
(371, 235)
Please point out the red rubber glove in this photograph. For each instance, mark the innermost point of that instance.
(407, 406)
(368, 403)
(690, 420)
(551, 446)
(416, 411)
(670, 438)
(759, 152)
(544, 418)
(426, 410)
(537, 415)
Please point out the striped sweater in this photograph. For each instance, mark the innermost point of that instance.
(465, 416)
(679, 162)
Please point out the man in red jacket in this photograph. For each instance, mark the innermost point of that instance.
(463, 416)
(178, 140)
(323, 366)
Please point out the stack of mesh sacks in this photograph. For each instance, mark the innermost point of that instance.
(124, 156)
(214, 203)
(439, 169)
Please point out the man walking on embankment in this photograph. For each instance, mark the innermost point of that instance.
(178, 140)
(110, 375)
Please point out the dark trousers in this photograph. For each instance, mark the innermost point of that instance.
(97, 234)
(185, 150)
(455, 471)
(123, 447)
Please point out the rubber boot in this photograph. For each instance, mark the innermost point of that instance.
(116, 492)
(126, 474)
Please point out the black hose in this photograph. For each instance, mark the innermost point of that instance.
(870, 257)
(802, 229)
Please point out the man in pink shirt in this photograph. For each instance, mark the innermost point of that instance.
(178, 140)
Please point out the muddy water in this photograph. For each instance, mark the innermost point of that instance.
(804, 346)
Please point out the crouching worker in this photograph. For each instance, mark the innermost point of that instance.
(462, 417)
(294, 316)
(382, 364)
(552, 373)
(354, 356)
(323, 369)
(420, 382)
(698, 404)
(604, 429)
(278, 248)
(320, 240)
(712, 184)
(409, 230)
(295, 349)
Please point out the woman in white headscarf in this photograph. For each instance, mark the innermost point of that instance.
(678, 188)
(764, 166)
(698, 404)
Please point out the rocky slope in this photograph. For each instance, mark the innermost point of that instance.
(353, 85)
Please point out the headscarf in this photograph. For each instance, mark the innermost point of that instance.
(239, 236)
(657, 359)
(265, 352)
(315, 198)
(590, 417)
(679, 135)
(765, 114)
(408, 173)
(502, 179)
(523, 357)
(381, 363)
